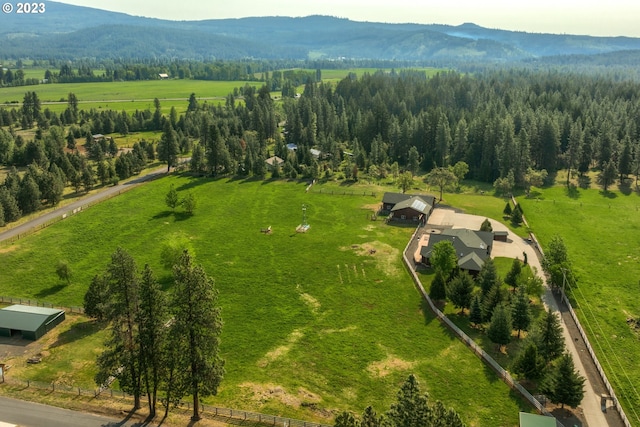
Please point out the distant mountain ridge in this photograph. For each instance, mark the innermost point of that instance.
(74, 32)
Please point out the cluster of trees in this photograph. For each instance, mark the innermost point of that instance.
(412, 408)
(158, 343)
(507, 124)
(15, 78)
(490, 305)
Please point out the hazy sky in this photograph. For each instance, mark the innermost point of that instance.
(592, 17)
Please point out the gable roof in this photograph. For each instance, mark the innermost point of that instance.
(274, 160)
(27, 318)
(394, 198)
(417, 203)
(472, 247)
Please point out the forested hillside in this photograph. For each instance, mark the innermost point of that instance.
(71, 33)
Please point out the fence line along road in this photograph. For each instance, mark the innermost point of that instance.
(207, 411)
(477, 350)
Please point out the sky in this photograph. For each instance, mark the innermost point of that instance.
(588, 17)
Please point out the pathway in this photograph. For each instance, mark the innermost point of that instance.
(515, 248)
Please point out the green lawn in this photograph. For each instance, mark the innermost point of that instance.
(314, 322)
(602, 235)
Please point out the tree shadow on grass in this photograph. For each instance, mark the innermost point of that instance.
(608, 194)
(182, 216)
(584, 181)
(572, 191)
(50, 291)
(625, 187)
(163, 214)
(77, 332)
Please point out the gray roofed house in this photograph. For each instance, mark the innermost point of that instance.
(408, 207)
(273, 162)
(31, 322)
(472, 247)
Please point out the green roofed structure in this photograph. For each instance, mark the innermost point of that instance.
(31, 322)
(533, 420)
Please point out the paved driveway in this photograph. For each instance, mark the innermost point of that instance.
(514, 247)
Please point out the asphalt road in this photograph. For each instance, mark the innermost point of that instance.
(68, 210)
(28, 414)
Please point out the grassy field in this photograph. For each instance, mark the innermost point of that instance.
(602, 235)
(314, 322)
(127, 96)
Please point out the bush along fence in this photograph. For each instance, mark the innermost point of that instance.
(592, 353)
(35, 303)
(477, 350)
(207, 410)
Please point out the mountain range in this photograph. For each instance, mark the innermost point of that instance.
(75, 32)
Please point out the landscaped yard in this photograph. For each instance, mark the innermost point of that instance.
(314, 323)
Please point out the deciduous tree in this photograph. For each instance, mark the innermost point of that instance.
(444, 258)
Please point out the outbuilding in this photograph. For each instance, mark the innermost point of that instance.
(31, 322)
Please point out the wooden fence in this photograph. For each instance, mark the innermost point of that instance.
(207, 411)
(36, 303)
(477, 350)
(592, 353)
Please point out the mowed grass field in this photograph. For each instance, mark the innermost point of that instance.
(128, 96)
(602, 235)
(314, 322)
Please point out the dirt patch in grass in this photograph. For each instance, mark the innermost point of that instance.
(282, 350)
(385, 255)
(7, 249)
(309, 300)
(391, 364)
(264, 393)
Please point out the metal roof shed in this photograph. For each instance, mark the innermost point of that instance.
(532, 420)
(31, 322)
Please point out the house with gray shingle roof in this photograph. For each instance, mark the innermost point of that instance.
(472, 247)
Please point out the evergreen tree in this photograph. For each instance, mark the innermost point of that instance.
(548, 336)
(564, 385)
(346, 419)
(608, 175)
(459, 290)
(121, 356)
(488, 276)
(411, 408)
(152, 318)
(168, 148)
(529, 364)
(197, 326)
(513, 275)
(499, 331)
(370, 418)
(438, 290)
(516, 217)
(96, 299)
(520, 313)
(491, 300)
(475, 314)
(486, 225)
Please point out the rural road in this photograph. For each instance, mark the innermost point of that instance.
(107, 192)
(28, 414)
(514, 248)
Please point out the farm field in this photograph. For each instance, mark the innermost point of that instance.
(127, 96)
(314, 322)
(602, 235)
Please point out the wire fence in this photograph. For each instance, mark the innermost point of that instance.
(36, 303)
(477, 350)
(592, 353)
(207, 411)
(64, 214)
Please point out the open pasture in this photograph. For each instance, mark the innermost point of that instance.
(314, 322)
(602, 234)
